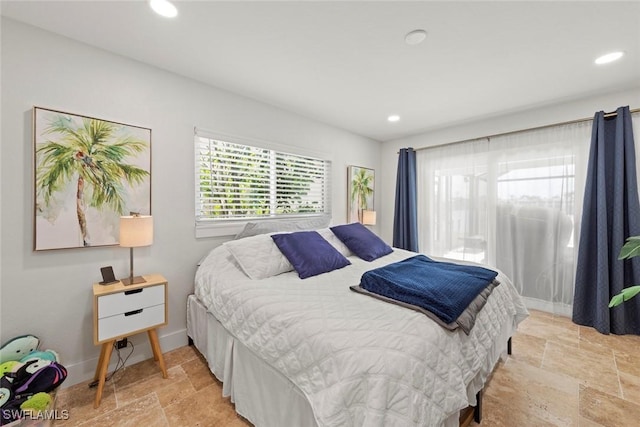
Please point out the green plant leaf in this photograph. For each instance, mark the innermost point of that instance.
(625, 295)
(616, 300)
(631, 248)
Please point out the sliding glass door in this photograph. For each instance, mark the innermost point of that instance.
(512, 202)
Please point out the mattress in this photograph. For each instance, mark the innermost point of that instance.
(352, 360)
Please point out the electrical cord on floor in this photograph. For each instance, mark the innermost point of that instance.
(119, 365)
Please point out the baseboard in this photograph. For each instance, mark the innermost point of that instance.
(561, 309)
(84, 371)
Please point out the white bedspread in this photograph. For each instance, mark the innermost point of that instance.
(359, 361)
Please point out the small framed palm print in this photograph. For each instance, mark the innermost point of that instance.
(361, 186)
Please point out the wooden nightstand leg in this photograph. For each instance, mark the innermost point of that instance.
(103, 351)
(157, 352)
(105, 356)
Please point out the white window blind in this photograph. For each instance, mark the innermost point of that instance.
(237, 182)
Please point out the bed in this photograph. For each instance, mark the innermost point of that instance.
(311, 352)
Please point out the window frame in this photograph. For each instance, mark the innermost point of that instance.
(211, 227)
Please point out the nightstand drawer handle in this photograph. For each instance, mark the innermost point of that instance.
(131, 313)
(134, 291)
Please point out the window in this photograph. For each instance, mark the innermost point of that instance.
(548, 181)
(237, 182)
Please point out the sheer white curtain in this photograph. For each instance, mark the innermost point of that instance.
(512, 202)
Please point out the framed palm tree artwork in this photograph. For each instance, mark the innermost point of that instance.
(360, 192)
(88, 172)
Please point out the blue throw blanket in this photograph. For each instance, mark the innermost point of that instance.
(443, 288)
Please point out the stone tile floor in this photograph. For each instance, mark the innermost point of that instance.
(560, 374)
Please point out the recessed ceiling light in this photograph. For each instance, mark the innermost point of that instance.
(164, 8)
(609, 57)
(415, 37)
(393, 118)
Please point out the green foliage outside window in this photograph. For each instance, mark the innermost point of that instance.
(241, 181)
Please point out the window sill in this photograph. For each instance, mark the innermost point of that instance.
(219, 229)
(229, 228)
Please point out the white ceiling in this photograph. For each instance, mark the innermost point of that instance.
(346, 63)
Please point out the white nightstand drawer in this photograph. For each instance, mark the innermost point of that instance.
(131, 321)
(123, 302)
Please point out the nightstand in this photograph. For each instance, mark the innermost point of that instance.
(120, 311)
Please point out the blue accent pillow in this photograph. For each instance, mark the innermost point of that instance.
(309, 253)
(361, 241)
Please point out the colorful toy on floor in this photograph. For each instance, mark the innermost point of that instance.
(37, 402)
(27, 375)
(9, 403)
(38, 375)
(46, 355)
(10, 366)
(18, 347)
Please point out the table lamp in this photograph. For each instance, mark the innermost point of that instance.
(135, 231)
(369, 217)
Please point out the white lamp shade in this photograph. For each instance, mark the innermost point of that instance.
(369, 217)
(136, 231)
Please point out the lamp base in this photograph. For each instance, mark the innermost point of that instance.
(132, 280)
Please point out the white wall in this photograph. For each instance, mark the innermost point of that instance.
(547, 115)
(49, 293)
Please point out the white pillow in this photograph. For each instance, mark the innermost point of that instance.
(328, 235)
(283, 225)
(258, 256)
